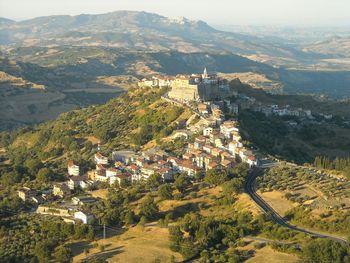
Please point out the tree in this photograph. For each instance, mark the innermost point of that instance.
(175, 238)
(33, 165)
(63, 254)
(324, 251)
(42, 251)
(234, 186)
(181, 182)
(165, 192)
(241, 170)
(129, 218)
(148, 208)
(215, 177)
(44, 175)
(188, 249)
(154, 180)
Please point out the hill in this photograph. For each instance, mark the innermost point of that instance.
(339, 46)
(81, 76)
(130, 120)
(134, 31)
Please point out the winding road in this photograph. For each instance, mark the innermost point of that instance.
(267, 209)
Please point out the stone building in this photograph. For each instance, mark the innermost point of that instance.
(199, 87)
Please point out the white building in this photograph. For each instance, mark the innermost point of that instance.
(227, 128)
(125, 156)
(207, 131)
(73, 169)
(110, 172)
(84, 217)
(100, 159)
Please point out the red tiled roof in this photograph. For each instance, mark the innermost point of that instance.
(72, 163)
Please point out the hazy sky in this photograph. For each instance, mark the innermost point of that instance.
(253, 12)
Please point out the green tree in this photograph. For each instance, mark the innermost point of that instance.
(148, 208)
(234, 186)
(129, 218)
(215, 177)
(175, 238)
(63, 254)
(181, 182)
(241, 170)
(44, 175)
(165, 192)
(42, 251)
(33, 165)
(324, 251)
(154, 180)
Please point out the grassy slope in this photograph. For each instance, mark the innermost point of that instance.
(115, 123)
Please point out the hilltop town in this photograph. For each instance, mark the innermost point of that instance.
(216, 143)
(212, 143)
(157, 156)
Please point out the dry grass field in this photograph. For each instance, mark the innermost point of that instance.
(101, 193)
(277, 201)
(137, 244)
(268, 255)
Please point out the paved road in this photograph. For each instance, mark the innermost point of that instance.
(267, 209)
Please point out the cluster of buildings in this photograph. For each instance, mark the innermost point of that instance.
(286, 110)
(194, 87)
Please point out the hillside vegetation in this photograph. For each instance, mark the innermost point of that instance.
(129, 121)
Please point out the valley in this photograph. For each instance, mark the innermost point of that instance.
(129, 136)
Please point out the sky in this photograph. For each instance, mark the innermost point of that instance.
(224, 12)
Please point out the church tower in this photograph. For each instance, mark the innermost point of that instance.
(205, 73)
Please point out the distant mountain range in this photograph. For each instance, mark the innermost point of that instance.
(135, 31)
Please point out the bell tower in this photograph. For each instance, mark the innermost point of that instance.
(205, 73)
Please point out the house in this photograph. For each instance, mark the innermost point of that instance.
(187, 156)
(76, 181)
(227, 163)
(199, 142)
(235, 136)
(166, 173)
(100, 159)
(232, 147)
(203, 109)
(83, 200)
(154, 154)
(188, 167)
(73, 168)
(207, 131)
(227, 127)
(141, 161)
(208, 148)
(120, 178)
(26, 193)
(210, 159)
(252, 160)
(110, 172)
(218, 143)
(125, 156)
(61, 190)
(212, 165)
(133, 168)
(101, 168)
(216, 152)
(86, 218)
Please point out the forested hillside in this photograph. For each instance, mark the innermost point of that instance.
(129, 121)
